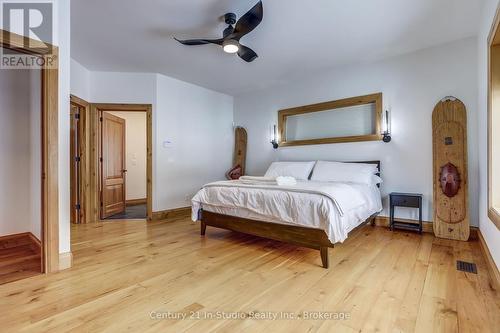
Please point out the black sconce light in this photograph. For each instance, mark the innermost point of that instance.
(386, 124)
(274, 137)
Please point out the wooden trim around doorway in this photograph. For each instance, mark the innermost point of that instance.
(49, 144)
(94, 151)
(84, 128)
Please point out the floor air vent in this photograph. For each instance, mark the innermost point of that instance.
(466, 267)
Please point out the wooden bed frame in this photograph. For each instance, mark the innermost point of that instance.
(297, 235)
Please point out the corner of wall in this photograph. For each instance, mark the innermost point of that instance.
(79, 80)
(64, 42)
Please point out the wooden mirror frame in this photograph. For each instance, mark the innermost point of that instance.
(341, 103)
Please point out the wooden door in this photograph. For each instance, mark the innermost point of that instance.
(112, 165)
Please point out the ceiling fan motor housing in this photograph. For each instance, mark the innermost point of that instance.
(230, 18)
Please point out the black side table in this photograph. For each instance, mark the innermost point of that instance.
(411, 200)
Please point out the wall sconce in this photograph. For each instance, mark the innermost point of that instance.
(386, 127)
(274, 137)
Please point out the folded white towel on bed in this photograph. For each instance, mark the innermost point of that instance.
(251, 180)
(286, 181)
(281, 181)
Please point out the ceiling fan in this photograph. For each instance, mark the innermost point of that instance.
(231, 36)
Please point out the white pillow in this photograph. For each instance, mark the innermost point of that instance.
(297, 170)
(344, 172)
(376, 180)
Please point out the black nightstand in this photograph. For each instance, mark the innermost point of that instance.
(411, 200)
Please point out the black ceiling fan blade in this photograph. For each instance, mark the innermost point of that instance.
(199, 41)
(247, 53)
(249, 21)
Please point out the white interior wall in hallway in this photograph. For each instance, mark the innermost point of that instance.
(20, 148)
(194, 127)
(63, 41)
(80, 81)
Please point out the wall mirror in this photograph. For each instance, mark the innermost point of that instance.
(346, 120)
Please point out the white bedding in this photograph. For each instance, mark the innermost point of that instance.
(336, 208)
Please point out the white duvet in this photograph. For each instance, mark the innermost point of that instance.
(337, 208)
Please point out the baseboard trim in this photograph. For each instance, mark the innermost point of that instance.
(23, 238)
(490, 263)
(65, 260)
(11, 240)
(383, 221)
(37, 244)
(172, 213)
(135, 202)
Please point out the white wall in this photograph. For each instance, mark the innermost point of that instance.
(135, 153)
(20, 124)
(112, 87)
(80, 80)
(411, 84)
(63, 30)
(197, 122)
(488, 229)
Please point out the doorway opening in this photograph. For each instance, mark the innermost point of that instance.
(122, 153)
(123, 165)
(20, 169)
(29, 237)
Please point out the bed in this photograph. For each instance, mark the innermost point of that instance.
(313, 214)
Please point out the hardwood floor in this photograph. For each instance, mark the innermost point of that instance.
(125, 273)
(19, 258)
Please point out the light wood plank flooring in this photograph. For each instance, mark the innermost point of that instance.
(126, 272)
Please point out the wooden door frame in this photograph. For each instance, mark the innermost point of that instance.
(493, 40)
(84, 126)
(96, 110)
(49, 144)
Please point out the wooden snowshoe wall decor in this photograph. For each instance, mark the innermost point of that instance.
(449, 141)
(240, 154)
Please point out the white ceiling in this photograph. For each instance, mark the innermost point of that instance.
(296, 37)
